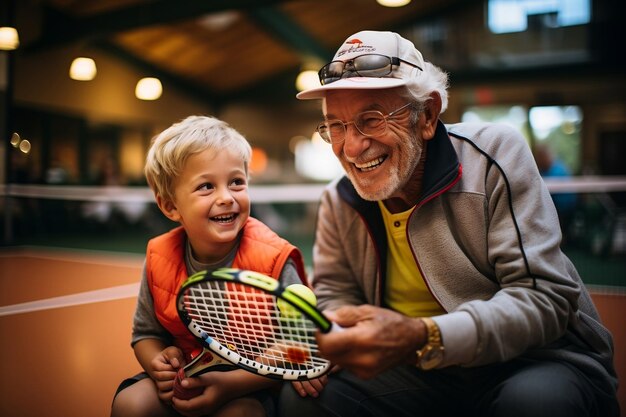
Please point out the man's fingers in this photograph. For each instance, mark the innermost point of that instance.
(337, 346)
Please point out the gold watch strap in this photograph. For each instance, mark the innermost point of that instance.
(434, 334)
(431, 354)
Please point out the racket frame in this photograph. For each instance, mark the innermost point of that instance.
(270, 286)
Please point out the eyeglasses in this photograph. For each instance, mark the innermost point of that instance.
(369, 123)
(370, 65)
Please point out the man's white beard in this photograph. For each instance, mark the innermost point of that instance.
(394, 183)
(385, 192)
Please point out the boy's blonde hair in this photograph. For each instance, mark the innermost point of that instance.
(171, 148)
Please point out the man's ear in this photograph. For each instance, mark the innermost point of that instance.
(430, 116)
(168, 208)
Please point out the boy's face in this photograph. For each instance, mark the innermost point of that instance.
(211, 202)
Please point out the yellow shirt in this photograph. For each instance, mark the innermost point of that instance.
(405, 289)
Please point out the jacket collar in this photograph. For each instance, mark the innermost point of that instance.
(442, 168)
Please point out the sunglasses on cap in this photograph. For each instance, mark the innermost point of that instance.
(370, 65)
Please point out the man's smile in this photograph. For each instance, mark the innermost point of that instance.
(370, 165)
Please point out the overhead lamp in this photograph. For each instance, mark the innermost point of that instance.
(9, 39)
(25, 146)
(307, 79)
(393, 3)
(83, 69)
(148, 88)
(219, 21)
(22, 144)
(15, 139)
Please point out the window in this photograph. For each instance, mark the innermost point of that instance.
(506, 16)
(559, 127)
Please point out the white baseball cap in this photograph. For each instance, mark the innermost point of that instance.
(372, 42)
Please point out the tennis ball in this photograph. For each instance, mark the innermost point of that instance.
(286, 309)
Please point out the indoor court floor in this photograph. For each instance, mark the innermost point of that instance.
(65, 323)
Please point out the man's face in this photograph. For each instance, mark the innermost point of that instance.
(379, 167)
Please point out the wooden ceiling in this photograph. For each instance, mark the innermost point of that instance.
(224, 49)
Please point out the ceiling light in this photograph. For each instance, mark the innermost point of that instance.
(9, 38)
(148, 89)
(393, 3)
(19, 143)
(15, 139)
(307, 79)
(83, 69)
(25, 146)
(219, 21)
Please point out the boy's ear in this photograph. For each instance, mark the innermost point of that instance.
(168, 208)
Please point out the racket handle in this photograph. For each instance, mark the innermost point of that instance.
(181, 392)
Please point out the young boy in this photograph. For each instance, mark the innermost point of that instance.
(198, 171)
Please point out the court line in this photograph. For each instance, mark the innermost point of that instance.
(87, 256)
(87, 297)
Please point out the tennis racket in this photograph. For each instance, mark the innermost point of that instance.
(247, 320)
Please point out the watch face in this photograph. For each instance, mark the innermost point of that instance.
(431, 357)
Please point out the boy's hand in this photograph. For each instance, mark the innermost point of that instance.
(164, 367)
(219, 389)
(311, 388)
(314, 386)
(216, 393)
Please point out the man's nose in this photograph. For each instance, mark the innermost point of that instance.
(355, 142)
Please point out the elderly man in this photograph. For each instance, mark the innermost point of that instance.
(439, 255)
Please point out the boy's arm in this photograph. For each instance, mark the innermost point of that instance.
(152, 343)
(145, 323)
(289, 274)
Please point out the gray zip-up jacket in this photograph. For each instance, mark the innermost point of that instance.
(485, 236)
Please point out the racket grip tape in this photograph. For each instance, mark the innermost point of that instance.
(181, 392)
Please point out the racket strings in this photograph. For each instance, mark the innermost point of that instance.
(247, 321)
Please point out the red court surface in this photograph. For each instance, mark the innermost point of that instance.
(65, 358)
(65, 322)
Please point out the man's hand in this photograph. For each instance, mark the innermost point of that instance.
(373, 340)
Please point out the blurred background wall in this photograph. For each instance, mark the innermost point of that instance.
(73, 150)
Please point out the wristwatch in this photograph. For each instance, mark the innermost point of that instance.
(431, 354)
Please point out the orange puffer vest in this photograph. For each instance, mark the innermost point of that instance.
(260, 249)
